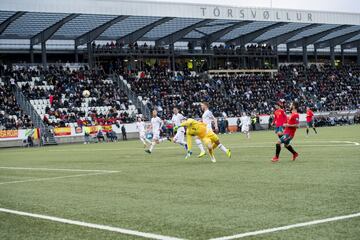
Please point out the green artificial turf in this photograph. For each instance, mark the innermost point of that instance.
(193, 199)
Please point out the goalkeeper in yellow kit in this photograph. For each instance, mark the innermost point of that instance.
(208, 137)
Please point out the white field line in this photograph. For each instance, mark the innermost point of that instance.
(283, 228)
(90, 225)
(176, 147)
(268, 145)
(54, 178)
(58, 169)
(355, 143)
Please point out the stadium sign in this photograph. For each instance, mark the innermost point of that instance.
(257, 14)
(179, 10)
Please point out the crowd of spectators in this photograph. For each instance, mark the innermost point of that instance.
(251, 49)
(330, 89)
(336, 120)
(63, 88)
(221, 49)
(120, 47)
(11, 116)
(323, 88)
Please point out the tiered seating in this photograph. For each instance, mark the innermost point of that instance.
(324, 88)
(11, 116)
(56, 95)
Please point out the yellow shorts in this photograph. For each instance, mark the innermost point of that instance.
(210, 138)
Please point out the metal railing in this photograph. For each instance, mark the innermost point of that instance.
(132, 96)
(46, 135)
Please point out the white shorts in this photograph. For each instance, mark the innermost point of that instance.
(245, 128)
(180, 135)
(156, 135)
(142, 135)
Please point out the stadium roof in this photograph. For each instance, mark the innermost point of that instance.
(167, 23)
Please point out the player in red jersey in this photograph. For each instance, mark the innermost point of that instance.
(289, 133)
(280, 119)
(310, 120)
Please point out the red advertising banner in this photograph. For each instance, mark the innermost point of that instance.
(9, 134)
(63, 131)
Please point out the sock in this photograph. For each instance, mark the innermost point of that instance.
(212, 156)
(315, 130)
(278, 150)
(290, 148)
(199, 144)
(143, 140)
(152, 146)
(222, 148)
(162, 139)
(307, 131)
(248, 135)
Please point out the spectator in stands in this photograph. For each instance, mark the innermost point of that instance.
(111, 136)
(63, 89)
(86, 137)
(11, 116)
(30, 142)
(100, 136)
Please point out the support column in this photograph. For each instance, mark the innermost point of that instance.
(76, 54)
(89, 50)
(305, 55)
(211, 62)
(358, 55)
(288, 54)
(277, 56)
(172, 52)
(43, 54)
(315, 54)
(332, 55)
(342, 56)
(32, 60)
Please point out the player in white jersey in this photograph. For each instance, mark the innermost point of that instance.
(176, 119)
(208, 118)
(245, 124)
(156, 125)
(141, 127)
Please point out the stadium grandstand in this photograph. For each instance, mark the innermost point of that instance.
(146, 119)
(136, 56)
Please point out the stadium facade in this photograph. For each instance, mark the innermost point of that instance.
(49, 29)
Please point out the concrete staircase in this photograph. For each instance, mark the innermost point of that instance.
(26, 106)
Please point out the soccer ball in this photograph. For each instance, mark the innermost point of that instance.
(86, 93)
